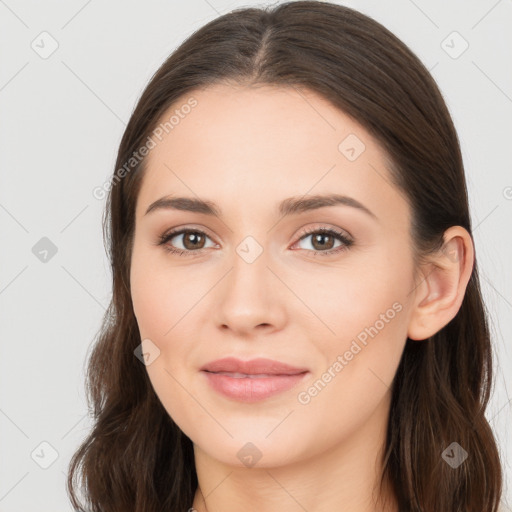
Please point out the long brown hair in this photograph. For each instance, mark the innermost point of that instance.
(136, 458)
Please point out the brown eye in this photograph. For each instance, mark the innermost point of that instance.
(192, 240)
(323, 241)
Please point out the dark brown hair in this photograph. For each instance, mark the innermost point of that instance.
(136, 458)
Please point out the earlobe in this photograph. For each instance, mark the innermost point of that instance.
(440, 294)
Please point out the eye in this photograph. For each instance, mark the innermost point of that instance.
(192, 242)
(324, 238)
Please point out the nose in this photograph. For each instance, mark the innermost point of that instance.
(250, 298)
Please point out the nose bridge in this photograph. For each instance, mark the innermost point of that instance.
(250, 250)
(249, 296)
(249, 275)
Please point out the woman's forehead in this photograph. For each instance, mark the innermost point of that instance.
(308, 147)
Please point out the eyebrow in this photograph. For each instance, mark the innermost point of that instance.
(289, 206)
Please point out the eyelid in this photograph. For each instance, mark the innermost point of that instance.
(324, 227)
(188, 227)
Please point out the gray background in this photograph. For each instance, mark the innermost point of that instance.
(62, 120)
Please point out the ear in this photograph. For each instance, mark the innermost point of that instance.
(439, 295)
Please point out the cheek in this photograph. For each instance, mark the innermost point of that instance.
(360, 327)
(159, 295)
(148, 304)
(359, 364)
(163, 302)
(158, 308)
(347, 300)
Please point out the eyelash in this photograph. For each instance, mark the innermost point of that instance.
(166, 237)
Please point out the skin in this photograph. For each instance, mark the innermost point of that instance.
(246, 149)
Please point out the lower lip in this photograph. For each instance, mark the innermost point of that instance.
(245, 389)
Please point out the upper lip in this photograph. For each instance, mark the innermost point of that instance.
(252, 367)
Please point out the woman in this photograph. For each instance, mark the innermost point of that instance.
(296, 320)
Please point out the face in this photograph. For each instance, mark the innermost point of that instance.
(260, 279)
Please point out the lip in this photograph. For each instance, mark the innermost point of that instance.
(263, 378)
(252, 367)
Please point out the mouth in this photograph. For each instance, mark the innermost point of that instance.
(256, 367)
(236, 375)
(250, 388)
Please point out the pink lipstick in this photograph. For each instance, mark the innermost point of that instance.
(253, 380)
